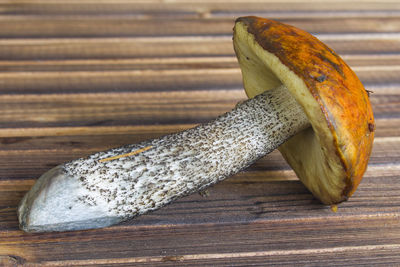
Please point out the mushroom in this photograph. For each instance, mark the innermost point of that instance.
(303, 98)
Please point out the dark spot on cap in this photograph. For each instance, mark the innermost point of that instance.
(371, 127)
(321, 78)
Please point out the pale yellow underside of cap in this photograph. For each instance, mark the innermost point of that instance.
(311, 153)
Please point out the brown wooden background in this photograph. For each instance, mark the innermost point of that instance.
(82, 76)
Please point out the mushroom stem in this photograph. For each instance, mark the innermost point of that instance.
(112, 186)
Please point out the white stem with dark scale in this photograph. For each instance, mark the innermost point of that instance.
(112, 186)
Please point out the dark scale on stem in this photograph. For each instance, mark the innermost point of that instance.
(189, 161)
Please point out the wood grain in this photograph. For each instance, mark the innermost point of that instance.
(200, 8)
(189, 77)
(169, 46)
(41, 26)
(139, 108)
(77, 77)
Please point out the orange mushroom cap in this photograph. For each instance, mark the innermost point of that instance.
(331, 157)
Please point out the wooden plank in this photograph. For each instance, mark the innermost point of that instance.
(130, 64)
(359, 62)
(131, 81)
(53, 110)
(199, 8)
(89, 130)
(103, 109)
(107, 48)
(202, 239)
(115, 26)
(153, 80)
(368, 255)
(20, 49)
(385, 128)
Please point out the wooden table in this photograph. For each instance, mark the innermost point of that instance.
(83, 76)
